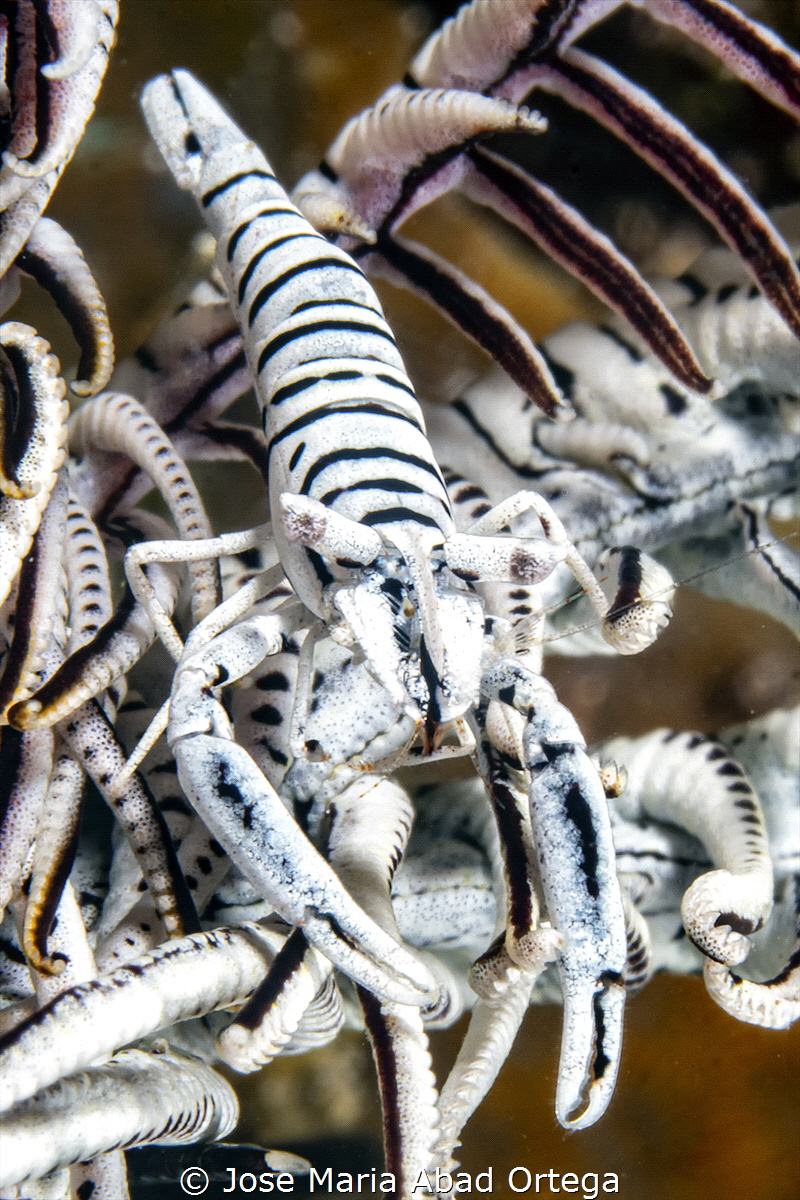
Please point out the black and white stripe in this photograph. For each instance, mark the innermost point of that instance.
(342, 423)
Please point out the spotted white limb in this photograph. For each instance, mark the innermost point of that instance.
(177, 981)
(358, 835)
(632, 596)
(55, 261)
(218, 619)
(246, 815)
(137, 1097)
(41, 607)
(33, 401)
(90, 737)
(119, 424)
(569, 818)
(26, 760)
(56, 833)
(731, 450)
(77, 39)
(723, 906)
(324, 530)
(498, 743)
(330, 754)
(270, 584)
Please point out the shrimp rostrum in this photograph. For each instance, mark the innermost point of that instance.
(367, 538)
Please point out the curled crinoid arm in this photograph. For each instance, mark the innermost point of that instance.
(271, 1017)
(418, 134)
(112, 651)
(118, 423)
(52, 258)
(494, 1024)
(88, 584)
(26, 760)
(181, 979)
(50, 102)
(774, 1003)
(47, 130)
(18, 219)
(768, 749)
(135, 1098)
(72, 541)
(188, 372)
(723, 906)
(56, 842)
(640, 592)
(407, 1087)
(131, 925)
(41, 604)
(637, 967)
(474, 49)
(504, 975)
(33, 439)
